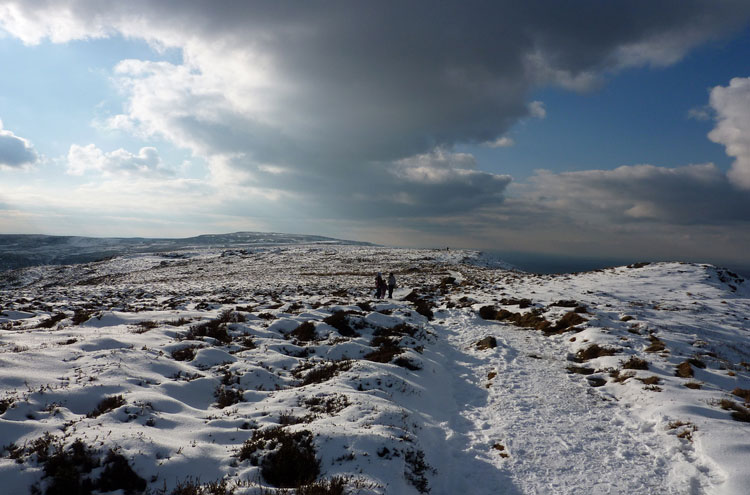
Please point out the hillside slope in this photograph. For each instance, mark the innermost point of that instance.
(276, 367)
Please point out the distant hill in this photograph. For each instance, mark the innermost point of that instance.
(19, 251)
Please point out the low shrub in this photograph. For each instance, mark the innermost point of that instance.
(51, 321)
(657, 345)
(304, 332)
(325, 372)
(384, 354)
(743, 393)
(185, 353)
(192, 486)
(81, 316)
(340, 322)
(328, 404)
(334, 486)
(118, 475)
(580, 370)
(407, 363)
(634, 363)
(145, 326)
(107, 404)
(287, 460)
(216, 329)
(226, 396)
(594, 351)
(684, 370)
(488, 312)
(416, 470)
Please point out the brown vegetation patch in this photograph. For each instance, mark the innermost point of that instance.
(384, 354)
(693, 385)
(324, 372)
(107, 404)
(185, 353)
(568, 321)
(287, 460)
(739, 413)
(340, 322)
(742, 393)
(488, 312)
(488, 342)
(226, 396)
(651, 380)
(684, 370)
(634, 363)
(657, 345)
(407, 363)
(334, 486)
(594, 351)
(51, 321)
(328, 404)
(304, 332)
(580, 370)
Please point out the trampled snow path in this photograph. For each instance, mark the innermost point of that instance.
(559, 435)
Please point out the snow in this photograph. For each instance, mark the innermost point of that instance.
(442, 415)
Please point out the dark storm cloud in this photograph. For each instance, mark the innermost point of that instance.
(691, 195)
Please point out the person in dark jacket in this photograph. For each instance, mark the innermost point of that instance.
(379, 286)
(391, 285)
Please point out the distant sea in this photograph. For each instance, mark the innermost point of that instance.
(544, 263)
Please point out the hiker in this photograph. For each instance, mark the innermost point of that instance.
(391, 285)
(379, 286)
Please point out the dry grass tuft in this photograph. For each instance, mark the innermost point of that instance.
(634, 363)
(684, 370)
(657, 345)
(594, 351)
(742, 393)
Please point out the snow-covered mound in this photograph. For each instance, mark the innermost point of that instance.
(249, 371)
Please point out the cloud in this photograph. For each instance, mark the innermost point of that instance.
(501, 142)
(537, 110)
(689, 195)
(15, 151)
(312, 89)
(82, 159)
(731, 105)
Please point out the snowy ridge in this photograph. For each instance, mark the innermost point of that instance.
(206, 356)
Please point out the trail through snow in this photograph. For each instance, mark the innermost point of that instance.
(532, 429)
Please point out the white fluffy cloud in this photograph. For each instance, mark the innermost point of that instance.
(732, 107)
(82, 159)
(15, 151)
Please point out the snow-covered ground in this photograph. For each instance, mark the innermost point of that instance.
(276, 366)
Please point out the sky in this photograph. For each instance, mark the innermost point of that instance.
(613, 129)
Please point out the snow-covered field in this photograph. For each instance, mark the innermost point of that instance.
(240, 371)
